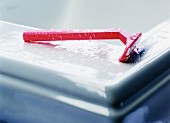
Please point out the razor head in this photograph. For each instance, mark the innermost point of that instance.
(136, 55)
(131, 46)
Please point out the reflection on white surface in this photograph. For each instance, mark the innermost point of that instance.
(137, 116)
(85, 105)
(140, 116)
(40, 91)
(156, 109)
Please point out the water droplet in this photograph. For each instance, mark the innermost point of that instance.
(61, 37)
(90, 37)
(133, 37)
(94, 36)
(85, 34)
(79, 35)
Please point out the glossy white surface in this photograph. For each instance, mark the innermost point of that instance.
(94, 61)
(82, 68)
(78, 67)
(61, 72)
(86, 62)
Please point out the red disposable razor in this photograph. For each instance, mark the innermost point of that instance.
(129, 40)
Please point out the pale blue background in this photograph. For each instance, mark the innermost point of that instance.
(131, 15)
